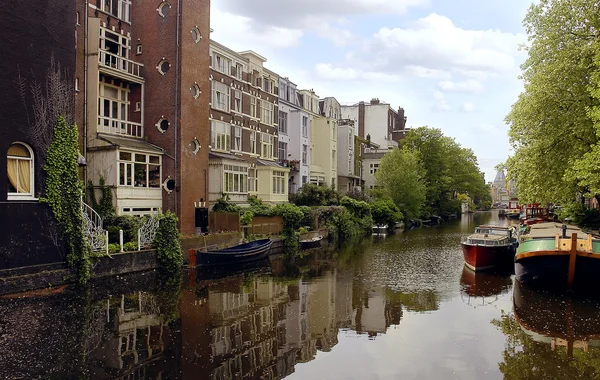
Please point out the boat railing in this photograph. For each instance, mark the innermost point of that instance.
(484, 242)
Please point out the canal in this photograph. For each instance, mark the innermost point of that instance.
(399, 307)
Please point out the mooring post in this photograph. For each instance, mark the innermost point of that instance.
(572, 260)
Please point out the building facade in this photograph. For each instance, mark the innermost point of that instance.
(39, 53)
(294, 135)
(244, 129)
(378, 122)
(323, 136)
(142, 103)
(348, 177)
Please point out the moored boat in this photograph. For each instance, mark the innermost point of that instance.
(313, 242)
(555, 255)
(239, 254)
(489, 246)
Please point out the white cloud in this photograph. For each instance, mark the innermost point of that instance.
(467, 107)
(329, 72)
(238, 33)
(469, 86)
(441, 103)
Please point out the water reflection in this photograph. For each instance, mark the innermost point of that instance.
(550, 336)
(483, 288)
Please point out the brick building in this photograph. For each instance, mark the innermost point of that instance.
(244, 138)
(142, 102)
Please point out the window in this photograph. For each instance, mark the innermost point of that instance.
(163, 66)
(304, 179)
(139, 170)
(266, 114)
(333, 134)
(350, 138)
(333, 158)
(252, 181)
(235, 179)
(350, 166)
(220, 96)
(113, 47)
(278, 182)
(239, 69)
(222, 64)
(304, 126)
(305, 154)
(237, 141)
(76, 84)
(237, 103)
(220, 135)
(196, 35)
(266, 149)
(195, 90)
(117, 8)
(268, 85)
(253, 106)
(373, 168)
(113, 115)
(282, 151)
(283, 122)
(20, 171)
(163, 9)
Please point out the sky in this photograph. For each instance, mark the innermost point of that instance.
(451, 64)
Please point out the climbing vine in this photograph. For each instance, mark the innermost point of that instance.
(167, 243)
(63, 194)
(104, 206)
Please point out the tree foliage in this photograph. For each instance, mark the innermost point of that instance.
(551, 130)
(167, 243)
(400, 177)
(385, 212)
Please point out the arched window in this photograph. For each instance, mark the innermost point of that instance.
(20, 171)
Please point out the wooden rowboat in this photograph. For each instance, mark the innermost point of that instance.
(243, 253)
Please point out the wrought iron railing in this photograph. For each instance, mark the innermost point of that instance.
(125, 65)
(120, 127)
(92, 227)
(147, 232)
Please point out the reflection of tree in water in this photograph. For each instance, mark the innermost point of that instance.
(525, 358)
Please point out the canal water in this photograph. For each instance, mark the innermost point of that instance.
(398, 307)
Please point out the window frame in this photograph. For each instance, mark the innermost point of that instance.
(220, 90)
(235, 179)
(278, 182)
(304, 126)
(283, 122)
(16, 196)
(266, 112)
(220, 136)
(130, 169)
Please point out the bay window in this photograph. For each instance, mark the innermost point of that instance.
(139, 170)
(278, 182)
(235, 179)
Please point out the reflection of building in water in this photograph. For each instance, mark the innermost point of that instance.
(262, 328)
(321, 311)
(137, 339)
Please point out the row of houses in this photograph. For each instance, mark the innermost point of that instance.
(168, 119)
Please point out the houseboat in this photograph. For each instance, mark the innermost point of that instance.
(489, 246)
(555, 255)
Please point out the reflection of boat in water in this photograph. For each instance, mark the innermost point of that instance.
(557, 255)
(485, 284)
(557, 321)
(218, 272)
(243, 253)
(489, 246)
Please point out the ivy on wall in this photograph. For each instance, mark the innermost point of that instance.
(64, 190)
(167, 243)
(104, 206)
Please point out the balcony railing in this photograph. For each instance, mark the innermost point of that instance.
(119, 63)
(120, 127)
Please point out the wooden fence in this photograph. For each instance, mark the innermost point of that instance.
(265, 225)
(223, 221)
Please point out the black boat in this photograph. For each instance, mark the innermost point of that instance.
(243, 253)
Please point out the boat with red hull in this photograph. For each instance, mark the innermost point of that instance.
(489, 246)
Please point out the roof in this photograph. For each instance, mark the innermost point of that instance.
(550, 230)
(269, 163)
(225, 156)
(131, 143)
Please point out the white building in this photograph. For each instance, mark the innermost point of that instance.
(294, 135)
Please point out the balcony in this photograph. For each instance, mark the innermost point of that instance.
(121, 66)
(120, 127)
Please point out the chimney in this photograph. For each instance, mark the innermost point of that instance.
(374, 101)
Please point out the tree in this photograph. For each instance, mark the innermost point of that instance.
(400, 177)
(550, 127)
(385, 212)
(449, 169)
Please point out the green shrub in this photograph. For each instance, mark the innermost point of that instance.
(114, 248)
(314, 195)
(224, 205)
(246, 218)
(385, 212)
(292, 216)
(167, 243)
(130, 246)
(128, 223)
(258, 207)
(309, 216)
